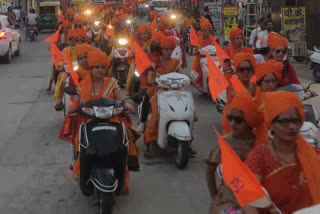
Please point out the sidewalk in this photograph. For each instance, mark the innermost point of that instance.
(305, 77)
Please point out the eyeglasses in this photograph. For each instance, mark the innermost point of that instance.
(243, 69)
(237, 120)
(273, 81)
(279, 51)
(99, 67)
(168, 49)
(286, 122)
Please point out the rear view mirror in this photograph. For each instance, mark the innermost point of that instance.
(70, 90)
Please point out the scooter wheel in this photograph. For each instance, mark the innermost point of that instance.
(182, 158)
(106, 201)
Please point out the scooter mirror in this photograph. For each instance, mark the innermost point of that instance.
(137, 98)
(70, 90)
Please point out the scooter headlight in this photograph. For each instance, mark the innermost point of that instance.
(146, 6)
(122, 41)
(109, 26)
(88, 111)
(173, 16)
(87, 12)
(97, 23)
(136, 73)
(104, 112)
(129, 21)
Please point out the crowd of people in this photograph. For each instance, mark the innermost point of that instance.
(260, 124)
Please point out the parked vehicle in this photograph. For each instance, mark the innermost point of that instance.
(103, 151)
(176, 115)
(10, 40)
(315, 64)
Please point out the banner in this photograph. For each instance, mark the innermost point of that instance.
(230, 15)
(216, 15)
(294, 29)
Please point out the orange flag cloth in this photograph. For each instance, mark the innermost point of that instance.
(193, 37)
(56, 55)
(221, 54)
(73, 74)
(54, 37)
(236, 84)
(238, 176)
(142, 60)
(154, 24)
(217, 82)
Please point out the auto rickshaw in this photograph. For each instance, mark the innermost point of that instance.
(48, 13)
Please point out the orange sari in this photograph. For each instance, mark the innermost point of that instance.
(151, 132)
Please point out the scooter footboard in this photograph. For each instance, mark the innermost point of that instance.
(180, 130)
(104, 179)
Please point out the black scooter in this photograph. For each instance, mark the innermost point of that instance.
(103, 150)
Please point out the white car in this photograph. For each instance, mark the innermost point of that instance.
(10, 40)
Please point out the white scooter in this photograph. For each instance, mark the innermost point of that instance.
(176, 115)
(315, 64)
(66, 97)
(211, 50)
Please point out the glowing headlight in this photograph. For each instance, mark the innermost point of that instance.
(129, 21)
(146, 5)
(110, 26)
(96, 23)
(173, 16)
(122, 41)
(75, 68)
(136, 73)
(88, 12)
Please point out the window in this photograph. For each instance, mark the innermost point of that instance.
(47, 10)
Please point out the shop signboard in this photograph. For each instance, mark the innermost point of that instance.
(294, 29)
(230, 21)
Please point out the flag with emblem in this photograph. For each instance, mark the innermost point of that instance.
(142, 60)
(217, 82)
(56, 55)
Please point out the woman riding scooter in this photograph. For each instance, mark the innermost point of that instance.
(94, 86)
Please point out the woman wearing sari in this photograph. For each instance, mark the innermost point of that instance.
(236, 43)
(244, 65)
(167, 65)
(96, 85)
(204, 40)
(243, 116)
(144, 40)
(287, 166)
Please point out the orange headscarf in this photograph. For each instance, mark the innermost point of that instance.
(244, 102)
(274, 104)
(269, 67)
(98, 57)
(243, 56)
(205, 24)
(157, 36)
(168, 42)
(83, 48)
(80, 33)
(276, 40)
(145, 28)
(234, 33)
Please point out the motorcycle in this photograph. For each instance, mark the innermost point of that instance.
(103, 151)
(120, 65)
(32, 32)
(315, 64)
(310, 128)
(176, 115)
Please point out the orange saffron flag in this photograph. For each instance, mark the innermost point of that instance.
(221, 54)
(54, 37)
(236, 84)
(56, 55)
(73, 74)
(193, 37)
(217, 82)
(142, 60)
(154, 24)
(117, 12)
(238, 176)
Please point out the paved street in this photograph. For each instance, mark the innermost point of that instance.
(34, 163)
